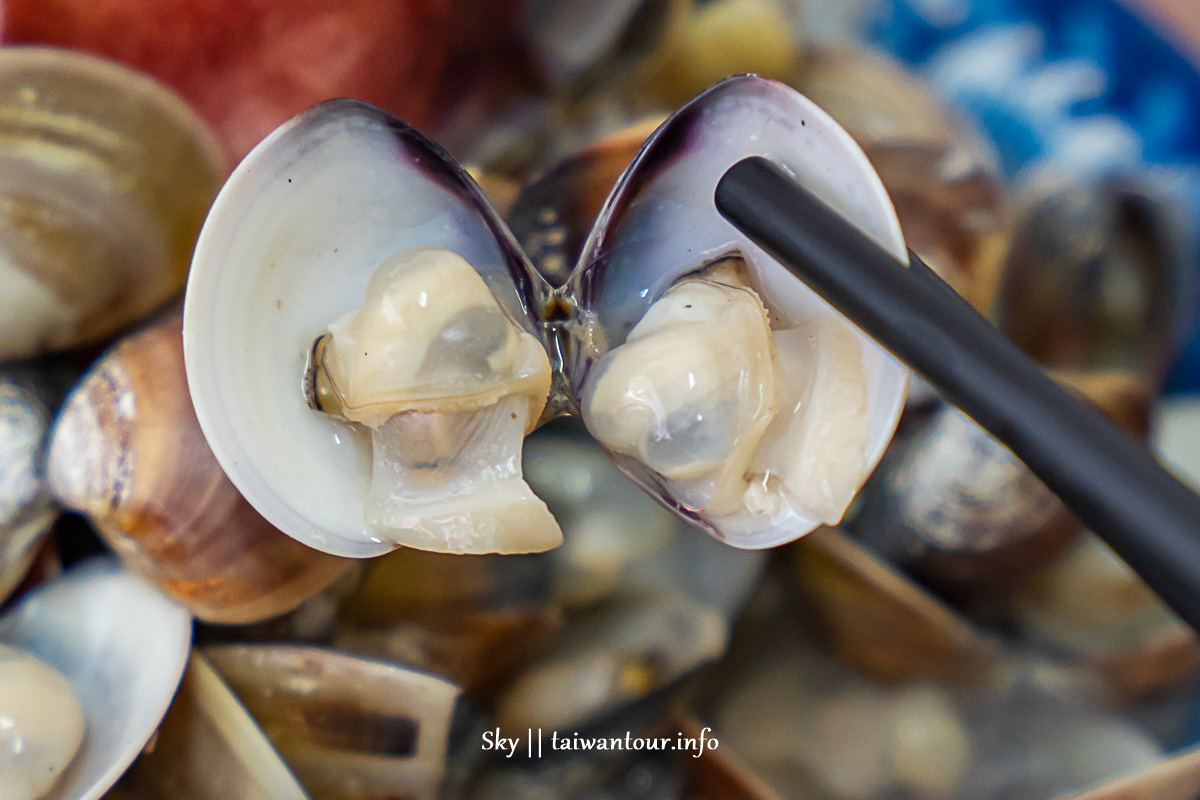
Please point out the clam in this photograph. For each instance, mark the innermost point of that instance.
(348, 726)
(121, 646)
(427, 451)
(1101, 275)
(473, 619)
(883, 624)
(107, 176)
(614, 666)
(940, 170)
(954, 507)
(811, 728)
(209, 748)
(553, 214)
(26, 508)
(43, 724)
(616, 539)
(714, 378)
(418, 395)
(127, 452)
(960, 511)
(1090, 605)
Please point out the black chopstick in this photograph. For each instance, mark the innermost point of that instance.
(1103, 474)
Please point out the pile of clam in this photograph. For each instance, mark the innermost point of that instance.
(363, 470)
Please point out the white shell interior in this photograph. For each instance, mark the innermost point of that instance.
(288, 247)
(645, 242)
(122, 645)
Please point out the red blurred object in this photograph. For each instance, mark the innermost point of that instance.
(249, 65)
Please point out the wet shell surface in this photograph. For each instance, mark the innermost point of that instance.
(42, 724)
(621, 655)
(265, 286)
(940, 171)
(106, 179)
(713, 376)
(349, 727)
(126, 451)
(122, 647)
(26, 508)
(207, 727)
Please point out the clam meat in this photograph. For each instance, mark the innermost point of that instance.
(711, 374)
(41, 725)
(428, 345)
(448, 386)
(117, 647)
(427, 370)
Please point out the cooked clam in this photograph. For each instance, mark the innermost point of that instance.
(26, 508)
(350, 727)
(617, 539)
(621, 655)
(106, 178)
(1101, 275)
(1090, 605)
(121, 646)
(127, 452)
(41, 725)
(940, 170)
(810, 727)
(209, 748)
(448, 386)
(418, 399)
(714, 377)
(421, 445)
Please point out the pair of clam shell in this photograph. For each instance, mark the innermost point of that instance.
(466, 347)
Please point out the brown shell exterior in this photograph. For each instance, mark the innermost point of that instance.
(882, 624)
(939, 171)
(474, 619)
(128, 452)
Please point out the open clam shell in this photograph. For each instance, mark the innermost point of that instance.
(350, 727)
(289, 247)
(122, 646)
(106, 178)
(660, 225)
(26, 509)
(207, 727)
(616, 665)
(939, 169)
(126, 451)
(553, 214)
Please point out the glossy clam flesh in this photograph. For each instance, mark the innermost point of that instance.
(121, 647)
(41, 725)
(714, 377)
(448, 386)
(350, 255)
(290, 247)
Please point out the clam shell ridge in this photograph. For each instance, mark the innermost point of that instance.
(660, 223)
(288, 247)
(122, 646)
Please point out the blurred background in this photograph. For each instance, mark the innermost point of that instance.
(958, 635)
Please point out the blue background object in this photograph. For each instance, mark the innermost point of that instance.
(1082, 82)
